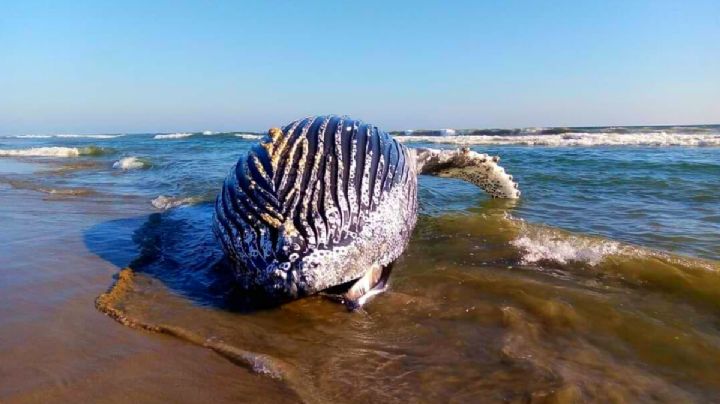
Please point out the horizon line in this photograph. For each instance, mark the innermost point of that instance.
(389, 131)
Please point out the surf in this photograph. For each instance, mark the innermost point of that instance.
(576, 139)
(55, 151)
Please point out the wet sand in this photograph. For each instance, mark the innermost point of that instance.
(56, 347)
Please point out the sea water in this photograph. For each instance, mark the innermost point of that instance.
(600, 283)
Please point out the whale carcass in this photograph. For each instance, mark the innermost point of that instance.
(328, 203)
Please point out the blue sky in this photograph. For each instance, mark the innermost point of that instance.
(101, 66)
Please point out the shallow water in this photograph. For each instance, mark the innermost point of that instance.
(601, 284)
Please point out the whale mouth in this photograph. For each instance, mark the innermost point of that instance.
(355, 293)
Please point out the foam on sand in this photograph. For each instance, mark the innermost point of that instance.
(173, 136)
(54, 152)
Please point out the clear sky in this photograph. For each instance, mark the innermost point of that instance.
(131, 66)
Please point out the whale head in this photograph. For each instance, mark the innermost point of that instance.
(316, 204)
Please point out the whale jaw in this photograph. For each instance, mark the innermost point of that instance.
(356, 293)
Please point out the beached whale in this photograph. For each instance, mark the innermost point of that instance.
(328, 203)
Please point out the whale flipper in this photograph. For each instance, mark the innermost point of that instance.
(477, 168)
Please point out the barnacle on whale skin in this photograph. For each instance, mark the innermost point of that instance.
(315, 205)
(325, 199)
(477, 168)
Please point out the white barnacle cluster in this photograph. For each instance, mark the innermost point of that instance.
(316, 204)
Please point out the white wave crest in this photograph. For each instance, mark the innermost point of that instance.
(173, 136)
(576, 139)
(28, 136)
(70, 136)
(248, 136)
(89, 136)
(49, 152)
(167, 202)
(549, 245)
(131, 163)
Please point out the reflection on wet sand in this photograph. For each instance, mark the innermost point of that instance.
(56, 347)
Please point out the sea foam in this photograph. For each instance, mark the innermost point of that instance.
(68, 136)
(167, 202)
(173, 136)
(52, 152)
(89, 136)
(575, 139)
(539, 244)
(28, 136)
(248, 136)
(131, 163)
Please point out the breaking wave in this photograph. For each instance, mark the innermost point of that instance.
(89, 136)
(173, 136)
(28, 136)
(55, 152)
(539, 244)
(560, 130)
(69, 136)
(132, 163)
(576, 139)
(248, 136)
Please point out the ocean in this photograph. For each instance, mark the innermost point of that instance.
(601, 283)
